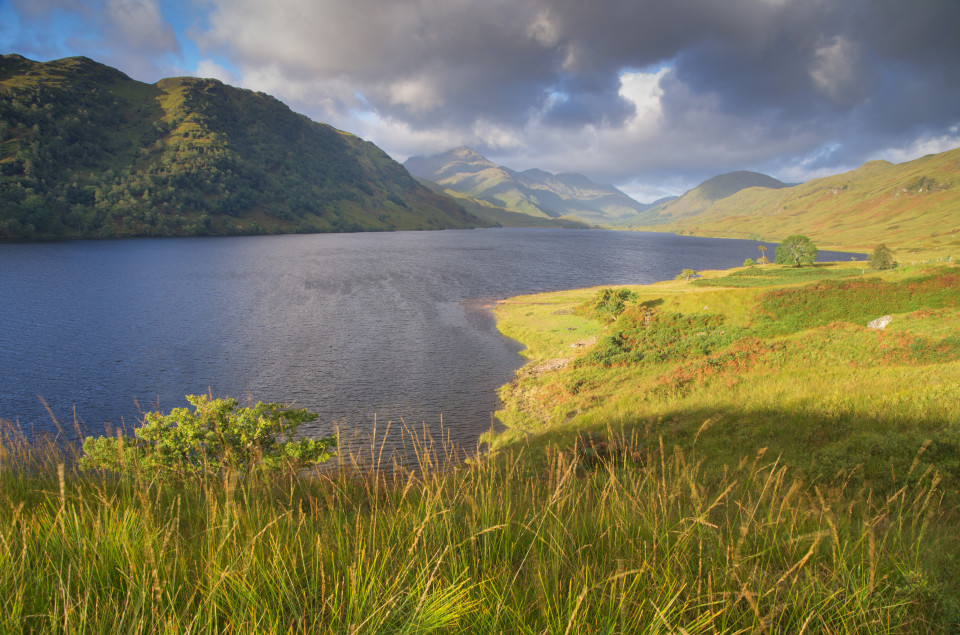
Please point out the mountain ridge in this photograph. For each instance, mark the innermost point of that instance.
(701, 197)
(87, 152)
(534, 191)
(914, 205)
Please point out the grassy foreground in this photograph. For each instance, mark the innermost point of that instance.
(775, 477)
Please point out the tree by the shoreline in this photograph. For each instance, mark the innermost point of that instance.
(796, 250)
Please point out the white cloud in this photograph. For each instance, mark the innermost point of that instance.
(643, 90)
(923, 146)
(138, 25)
(543, 30)
(839, 72)
(209, 68)
(419, 94)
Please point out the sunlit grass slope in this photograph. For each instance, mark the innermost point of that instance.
(913, 206)
(792, 368)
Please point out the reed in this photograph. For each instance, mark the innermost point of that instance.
(611, 534)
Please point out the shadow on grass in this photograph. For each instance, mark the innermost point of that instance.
(840, 449)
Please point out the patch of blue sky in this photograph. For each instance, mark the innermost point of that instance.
(188, 19)
(821, 155)
(365, 110)
(63, 35)
(9, 24)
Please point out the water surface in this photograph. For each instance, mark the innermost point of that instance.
(351, 326)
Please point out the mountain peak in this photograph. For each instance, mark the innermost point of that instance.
(703, 196)
(462, 160)
(465, 153)
(533, 192)
(724, 185)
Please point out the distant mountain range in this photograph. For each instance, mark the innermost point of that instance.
(700, 198)
(535, 193)
(913, 205)
(85, 151)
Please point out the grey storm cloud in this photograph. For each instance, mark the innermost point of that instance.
(617, 89)
(785, 64)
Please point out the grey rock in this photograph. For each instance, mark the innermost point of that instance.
(880, 323)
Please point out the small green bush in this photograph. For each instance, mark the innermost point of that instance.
(881, 258)
(214, 437)
(748, 262)
(607, 304)
(686, 274)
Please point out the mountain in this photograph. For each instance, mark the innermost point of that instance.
(533, 192)
(702, 197)
(85, 151)
(502, 216)
(912, 205)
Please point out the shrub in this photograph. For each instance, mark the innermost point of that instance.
(686, 274)
(881, 258)
(607, 304)
(643, 335)
(214, 437)
(748, 262)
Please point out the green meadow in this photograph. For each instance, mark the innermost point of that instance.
(736, 453)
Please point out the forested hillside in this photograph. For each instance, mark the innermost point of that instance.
(85, 151)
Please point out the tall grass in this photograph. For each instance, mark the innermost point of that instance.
(612, 534)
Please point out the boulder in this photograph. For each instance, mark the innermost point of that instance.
(880, 323)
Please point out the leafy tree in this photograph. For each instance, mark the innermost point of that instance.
(797, 250)
(882, 258)
(214, 437)
(748, 262)
(608, 303)
(686, 274)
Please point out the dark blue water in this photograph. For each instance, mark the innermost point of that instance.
(346, 325)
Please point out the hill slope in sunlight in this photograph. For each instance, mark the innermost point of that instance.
(913, 206)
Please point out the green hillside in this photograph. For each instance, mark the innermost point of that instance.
(702, 197)
(85, 151)
(913, 206)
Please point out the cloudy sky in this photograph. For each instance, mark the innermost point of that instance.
(651, 95)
